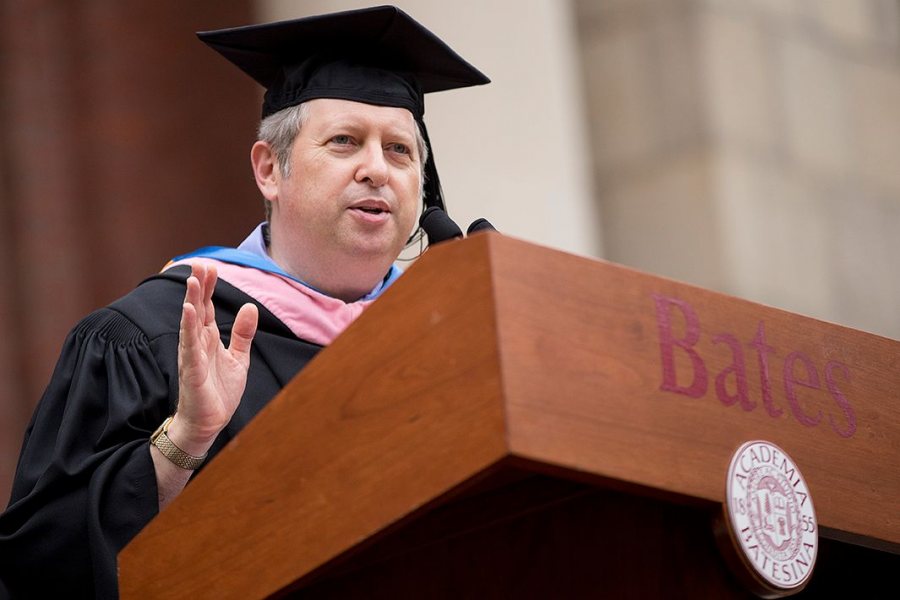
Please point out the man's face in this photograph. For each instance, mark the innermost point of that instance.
(352, 195)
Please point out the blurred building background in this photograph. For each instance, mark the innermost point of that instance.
(746, 146)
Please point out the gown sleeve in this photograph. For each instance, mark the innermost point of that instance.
(85, 483)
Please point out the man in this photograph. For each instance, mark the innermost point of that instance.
(149, 388)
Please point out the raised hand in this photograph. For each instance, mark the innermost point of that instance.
(211, 377)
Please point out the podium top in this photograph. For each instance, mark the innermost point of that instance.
(491, 350)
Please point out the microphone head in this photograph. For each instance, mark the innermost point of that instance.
(438, 226)
(480, 225)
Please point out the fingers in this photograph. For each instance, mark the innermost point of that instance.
(200, 287)
(199, 312)
(189, 312)
(188, 337)
(193, 294)
(196, 314)
(244, 329)
(208, 287)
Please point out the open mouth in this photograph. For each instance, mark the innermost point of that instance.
(372, 208)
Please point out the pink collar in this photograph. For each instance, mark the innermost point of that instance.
(310, 315)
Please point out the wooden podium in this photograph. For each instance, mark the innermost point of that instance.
(509, 421)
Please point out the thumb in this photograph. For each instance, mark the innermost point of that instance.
(244, 329)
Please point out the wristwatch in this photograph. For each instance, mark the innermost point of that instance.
(173, 452)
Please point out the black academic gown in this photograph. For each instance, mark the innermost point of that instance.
(85, 483)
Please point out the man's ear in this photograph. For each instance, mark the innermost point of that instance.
(265, 170)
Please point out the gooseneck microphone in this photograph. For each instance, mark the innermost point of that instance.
(480, 225)
(438, 225)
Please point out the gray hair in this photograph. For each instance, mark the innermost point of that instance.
(280, 129)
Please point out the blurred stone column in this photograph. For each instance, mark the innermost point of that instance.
(750, 146)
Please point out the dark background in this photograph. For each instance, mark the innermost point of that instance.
(124, 141)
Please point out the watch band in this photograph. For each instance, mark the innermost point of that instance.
(179, 457)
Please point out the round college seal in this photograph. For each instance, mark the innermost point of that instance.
(771, 517)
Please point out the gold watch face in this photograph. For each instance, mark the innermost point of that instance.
(158, 431)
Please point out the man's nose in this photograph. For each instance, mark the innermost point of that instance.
(373, 168)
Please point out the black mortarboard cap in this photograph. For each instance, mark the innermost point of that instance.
(375, 55)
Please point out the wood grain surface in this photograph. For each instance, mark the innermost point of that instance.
(491, 350)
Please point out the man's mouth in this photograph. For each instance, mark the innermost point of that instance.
(372, 206)
(373, 211)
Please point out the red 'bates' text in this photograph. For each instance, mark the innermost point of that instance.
(731, 383)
